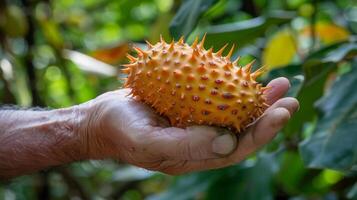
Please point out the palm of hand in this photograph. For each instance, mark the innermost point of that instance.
(140, 137)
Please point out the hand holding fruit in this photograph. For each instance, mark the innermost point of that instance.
(120, 127)
(175, 118)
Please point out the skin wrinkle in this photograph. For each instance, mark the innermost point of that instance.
(30, 143)
(76, 119)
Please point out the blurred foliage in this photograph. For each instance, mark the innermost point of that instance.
(63, 52)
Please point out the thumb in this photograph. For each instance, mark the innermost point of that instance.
(225, 142)
(198, 143)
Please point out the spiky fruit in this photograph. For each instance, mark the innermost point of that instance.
(190, 85)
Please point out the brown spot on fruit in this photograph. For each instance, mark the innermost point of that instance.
(222, 106)
(201, 87)
(214, 92)
(195, 98)
(208, 101)
(227, 95)
(204, 77)
(244, 83)
(218, 81)
(205, 112)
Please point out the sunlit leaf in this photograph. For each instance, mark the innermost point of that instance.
(89, 64)
(328, 33)
(111, 55)
(52, 33)
(279, 50)
(131, 173)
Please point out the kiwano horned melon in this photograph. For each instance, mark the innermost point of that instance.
(191, 85)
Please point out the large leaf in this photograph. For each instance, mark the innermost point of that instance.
(244, 32)
(187, 17)
(333, 144)
(311, 90)
(316, 69)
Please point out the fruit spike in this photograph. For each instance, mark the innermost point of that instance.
(191, 85)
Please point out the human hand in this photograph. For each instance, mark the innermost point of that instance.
(117, 126)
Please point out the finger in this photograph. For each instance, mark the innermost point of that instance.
(265, 130)
(195, 142)
(290, 103)
(278, 88)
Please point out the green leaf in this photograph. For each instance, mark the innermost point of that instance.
(335, 52)
(189, 186)
(52, 33)
(292, 171)
(352, 193)
(310, 91)
(238, 183)
(333, 145)
(187, 16)
(292, 72)
(316, 69)
(244, 32)
(228, 183)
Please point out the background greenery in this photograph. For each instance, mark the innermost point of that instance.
(63, 52)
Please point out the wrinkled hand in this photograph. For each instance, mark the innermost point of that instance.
(119, 127)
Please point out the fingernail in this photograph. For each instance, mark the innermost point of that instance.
(224, 144)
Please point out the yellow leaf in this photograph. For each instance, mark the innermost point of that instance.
(112, 55)
(52, 33)
(279, 50)
(328, 33)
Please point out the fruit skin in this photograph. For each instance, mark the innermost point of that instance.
(190, 85)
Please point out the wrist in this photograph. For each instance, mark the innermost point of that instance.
(70, 145)
(94, 136)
